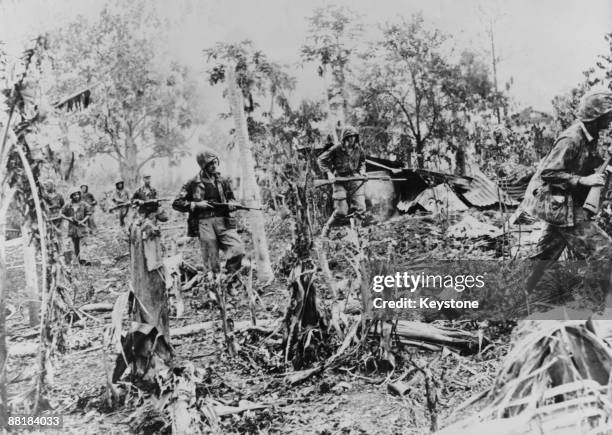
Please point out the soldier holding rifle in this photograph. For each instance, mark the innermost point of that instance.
(565, 177)
(346, 159)
(77, 214)
(121, 201)
(206, 198)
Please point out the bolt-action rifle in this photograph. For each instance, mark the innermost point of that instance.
(138, 202)
(320, 183)
(233, 204)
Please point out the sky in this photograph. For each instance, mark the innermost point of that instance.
(543, 45)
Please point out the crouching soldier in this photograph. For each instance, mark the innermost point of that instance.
(211, 222)
(346, 159)
(564, 179)
(77, 214)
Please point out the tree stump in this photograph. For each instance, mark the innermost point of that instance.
(147, 345)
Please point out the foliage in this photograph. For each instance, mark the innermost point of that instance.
(409, 82)
(143, 104)
(333, 32)
(257, 76)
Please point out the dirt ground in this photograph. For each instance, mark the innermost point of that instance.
(343, 401)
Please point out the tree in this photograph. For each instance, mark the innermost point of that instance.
(248, 74)
(331, 43)
(143, 104)
(410, 79)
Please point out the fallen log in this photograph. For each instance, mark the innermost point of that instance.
(244, 405)
(22, 349)
(99, 306)
(213, 324)
(432, 337)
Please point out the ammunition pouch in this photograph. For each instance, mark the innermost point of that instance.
(554, 205)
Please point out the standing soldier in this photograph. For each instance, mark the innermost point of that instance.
(121, 201)
(77, 214)
(345, 160)
(91, 202)
(146, 192)
(55, 203)
(565, 178)
(213, 224)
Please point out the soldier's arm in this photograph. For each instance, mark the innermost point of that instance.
(227, 190)
(93, 200)
(362, 163)
(556, 165)
(184, 198)
(137, 195)
(325, 160)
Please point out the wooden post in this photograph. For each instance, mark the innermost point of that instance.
(252, 196)
(31, 275)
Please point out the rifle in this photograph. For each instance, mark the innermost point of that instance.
(72, 220)
(319, 183)
(138, 202)
(593, 200)
(235, 205)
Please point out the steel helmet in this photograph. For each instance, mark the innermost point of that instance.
(206, 157)
(593, 105)
(349, 131)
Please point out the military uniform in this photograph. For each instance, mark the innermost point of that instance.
(345, 161)
(88, 198)
(121, 196)
(215, 226)
(76, 211)
(145, 193)
(573, 156)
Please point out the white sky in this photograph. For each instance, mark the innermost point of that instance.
(543, 44)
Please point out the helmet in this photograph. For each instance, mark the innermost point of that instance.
(206, 157)
(593, 105)
(74, 190)
(349, 131)
(119, 182)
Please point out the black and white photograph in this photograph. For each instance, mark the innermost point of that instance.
(326, 217)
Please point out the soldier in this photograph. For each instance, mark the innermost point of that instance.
(565, 178)
(77, 213)
(54, 201)
(91, 202)
(145, 192)
(121, 200)
(346, 159)
(214, 225)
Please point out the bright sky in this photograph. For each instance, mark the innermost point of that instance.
(544, 45)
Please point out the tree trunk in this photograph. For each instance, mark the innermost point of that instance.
(31, 275)
(66, 154)
(252, 197)
(147, 346)
(6, 195)
(419, 152)
(128, 166)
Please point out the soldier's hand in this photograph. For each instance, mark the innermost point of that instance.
(202, 204)
(231, 207)
(593, 180)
